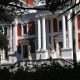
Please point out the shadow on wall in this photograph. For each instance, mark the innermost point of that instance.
(16, 56)
(19, 56)
(33, 56)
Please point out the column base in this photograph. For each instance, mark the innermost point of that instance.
(14, 57)
(41, 54)
(78, 55)
(67, 53)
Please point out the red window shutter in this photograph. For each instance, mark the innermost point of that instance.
(19, 29)
(19, 46)
(31, 27)
(30, 2)
(19, 42)
(78, 21)
(79, 40)
(55, 25)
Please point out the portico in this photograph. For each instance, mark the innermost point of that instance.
(67, 50)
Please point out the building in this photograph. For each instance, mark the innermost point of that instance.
(41, 34)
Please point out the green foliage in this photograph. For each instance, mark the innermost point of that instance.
(8, 1)
(3, 41)
(4, 74)
(44, 72)
(5, 16)
(55, 5)
(6, 12)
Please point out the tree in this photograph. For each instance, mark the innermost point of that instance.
(3, 41)
(6, 12)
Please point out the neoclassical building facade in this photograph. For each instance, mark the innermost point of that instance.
(40, 35)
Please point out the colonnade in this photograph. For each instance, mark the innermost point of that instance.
(41, 34)
(67, 34)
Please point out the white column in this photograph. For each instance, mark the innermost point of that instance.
(22, 30)
(76, 33)
(15, 36)
(77, 1)
(3, 29)
(39, 34)
(64, 31)
(69, 31)
(10, 39)
(3, 54)
(27, 29)
(43, 33)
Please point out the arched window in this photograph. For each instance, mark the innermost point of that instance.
(19, 29)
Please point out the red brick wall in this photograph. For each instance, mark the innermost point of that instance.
(19, 42)
(78, 21)
(18, 29)
(30, 2)
(31, 27)
(78, 25)
(19, 33)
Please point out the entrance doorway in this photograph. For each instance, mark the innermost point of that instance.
(25, 51)
(32, 45)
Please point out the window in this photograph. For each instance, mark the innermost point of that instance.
(66, 23)
(25, 51)
(32, 45)
(49, 26)
(19, 47)
(55, 25)
(5, 30)
(78, 21)
(25, 29)
(60, 25)
(6, 52)
(31, 28)
(19, 29)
